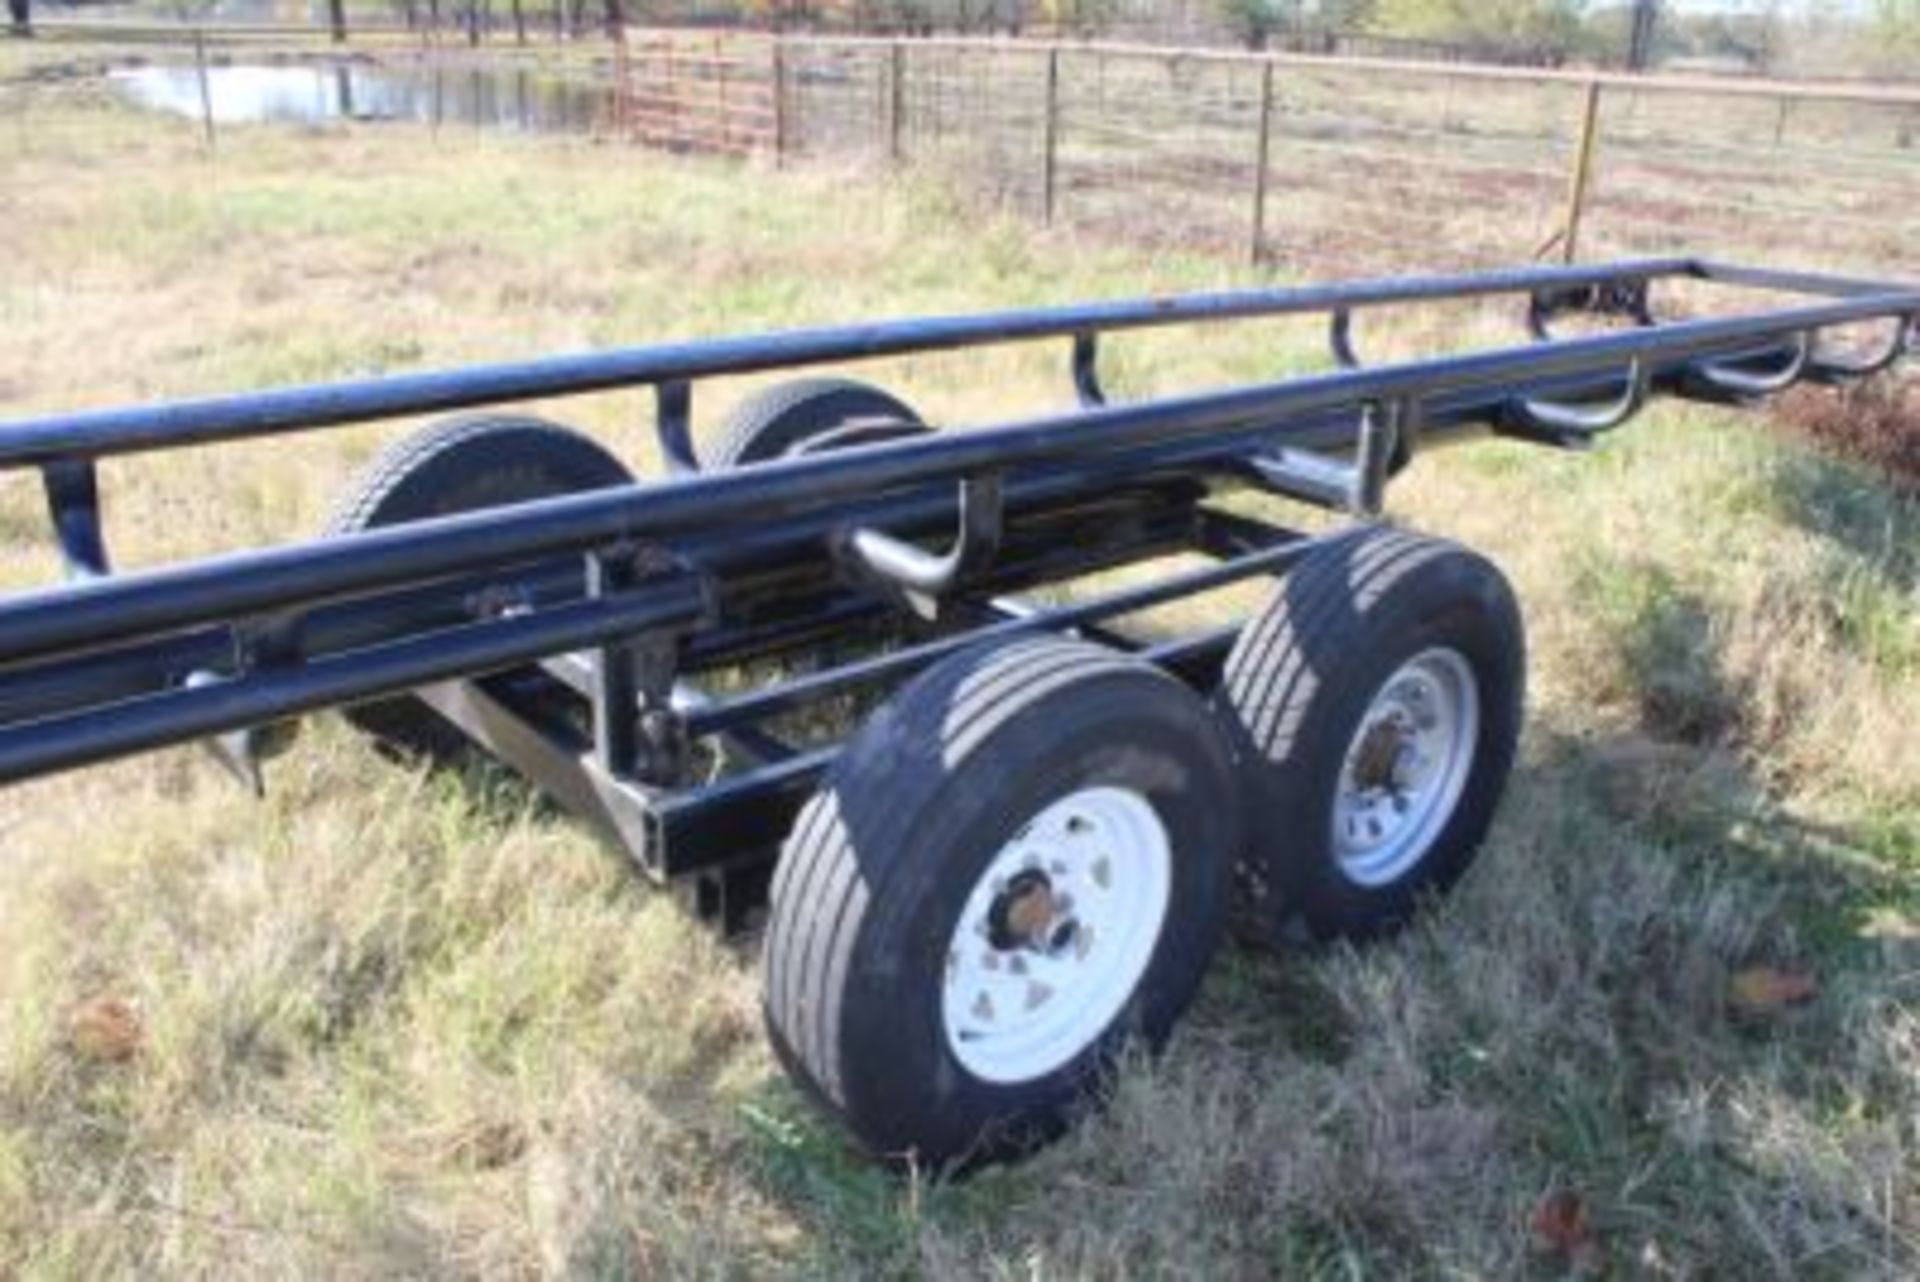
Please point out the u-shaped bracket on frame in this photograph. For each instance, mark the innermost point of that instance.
(922, 575)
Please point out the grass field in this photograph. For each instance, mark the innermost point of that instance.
(387, 1022)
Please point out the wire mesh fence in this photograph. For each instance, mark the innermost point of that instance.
(1319, 166)
(1334, 166)
(1826, 182)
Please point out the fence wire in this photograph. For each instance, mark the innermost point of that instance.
(1320, 167)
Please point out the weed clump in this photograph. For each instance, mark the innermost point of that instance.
(1876, 422)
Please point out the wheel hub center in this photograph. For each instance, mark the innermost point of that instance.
(1382, 756)
(1029, 914)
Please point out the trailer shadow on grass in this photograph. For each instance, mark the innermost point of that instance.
(1845, 505)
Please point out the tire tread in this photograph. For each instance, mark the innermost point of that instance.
(749, 422)
(1303, 656)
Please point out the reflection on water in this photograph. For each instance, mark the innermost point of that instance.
(311, 92)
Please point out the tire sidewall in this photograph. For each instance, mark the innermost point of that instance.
(902, 945)
(1457, 603)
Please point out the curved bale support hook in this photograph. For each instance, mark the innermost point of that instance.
(1086, 369)
(1572, 425)
(1751, 375)
(1383, 444)
(1628, 297)
(260, 646)
(1903, 342)
(1388, 431)
(919, 577)
(673, 424)
(1340, 339)
(73, 505)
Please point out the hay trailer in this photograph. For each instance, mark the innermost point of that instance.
(996, 835)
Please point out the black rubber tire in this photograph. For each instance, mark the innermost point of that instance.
(461, 465)
(774, 421)
(881, 861)
(1295, 688)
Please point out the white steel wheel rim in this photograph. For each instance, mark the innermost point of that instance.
(1056, 934)
(1406, 767)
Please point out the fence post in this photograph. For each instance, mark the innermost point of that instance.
(896, 101)
(779, 104)
(718, 63)
(1049, 157)
(1582, 174)
(206, 90)
(624, 102)
(1257, 245)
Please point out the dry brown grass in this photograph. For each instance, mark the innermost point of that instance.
(1876, 422)
(391, 1023)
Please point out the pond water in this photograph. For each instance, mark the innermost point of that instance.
(316, 92)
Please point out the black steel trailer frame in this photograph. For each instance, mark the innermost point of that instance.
(567, 636)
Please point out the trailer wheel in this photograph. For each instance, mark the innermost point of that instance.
(1018, 867)
(461, 465)
(781, 419)
(1374, 708)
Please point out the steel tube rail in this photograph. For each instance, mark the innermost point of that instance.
(1797, 282)
(223, 588)
(105, 432)
(129, 670)
(117, 729)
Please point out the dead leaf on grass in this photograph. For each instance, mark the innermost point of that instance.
(1762, 990)
(1562, 1227)
(105, 1030)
